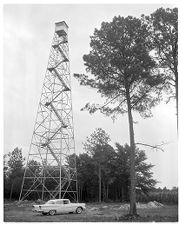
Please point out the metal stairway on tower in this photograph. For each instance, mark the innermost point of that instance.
(51, 165)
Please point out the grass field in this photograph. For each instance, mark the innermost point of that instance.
(104, 212)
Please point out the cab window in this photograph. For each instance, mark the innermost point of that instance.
(65, 202)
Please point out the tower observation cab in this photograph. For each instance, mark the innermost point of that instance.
(61, 28)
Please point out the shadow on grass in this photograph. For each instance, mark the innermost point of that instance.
(146, 218)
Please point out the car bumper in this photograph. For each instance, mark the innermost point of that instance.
(39, 211)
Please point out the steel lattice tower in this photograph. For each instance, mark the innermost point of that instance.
(51, 165)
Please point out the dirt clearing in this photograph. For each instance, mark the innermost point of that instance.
(104, 212)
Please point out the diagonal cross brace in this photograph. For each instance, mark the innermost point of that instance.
(53, 154)
(61, 51)
(58, 116)
(48, 103)
(59, 77)
(55, 157)
(50, 138)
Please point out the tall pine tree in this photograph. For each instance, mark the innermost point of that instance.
(122, 71)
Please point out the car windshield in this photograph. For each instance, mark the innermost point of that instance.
(50, 202)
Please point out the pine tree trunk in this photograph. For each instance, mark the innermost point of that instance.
(104, 192)
(11, 193)
(132, 158)
(122, 193)
(99, 183)
(116, 193)
(176, 87)
(81, 192)
(107, 192)
(176, 84)
(80, 197)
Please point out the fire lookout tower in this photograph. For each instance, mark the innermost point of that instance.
(51, 165)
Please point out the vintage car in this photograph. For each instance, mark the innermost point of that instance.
(56, 206)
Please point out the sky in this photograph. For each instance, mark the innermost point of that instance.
(27, 36)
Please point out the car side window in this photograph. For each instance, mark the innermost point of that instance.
(59, 202)
(65, 202)
(50, 202)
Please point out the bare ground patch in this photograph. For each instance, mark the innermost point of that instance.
(95, 212)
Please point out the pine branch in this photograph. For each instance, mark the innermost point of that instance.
(170, 99)
(109, 101)
(156, 147)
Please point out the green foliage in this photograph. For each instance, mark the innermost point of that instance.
(165, 37)
(145, 182)
(163, 28)
(15, 161)
(123, 71)
(165, 196)
(115, 170)
(5, 167)
(119, 60)
(115, 167)
(13, 171)
(87, 178)
(97, 146)
(96, 141)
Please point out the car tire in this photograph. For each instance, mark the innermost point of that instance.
(79, 210)
(52, 212)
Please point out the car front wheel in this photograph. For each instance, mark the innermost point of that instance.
(79, 210)
(52, 212)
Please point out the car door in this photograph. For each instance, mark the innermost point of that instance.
(67, 206)
(60, 206)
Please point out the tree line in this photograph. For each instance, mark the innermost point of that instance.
(103, 173)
